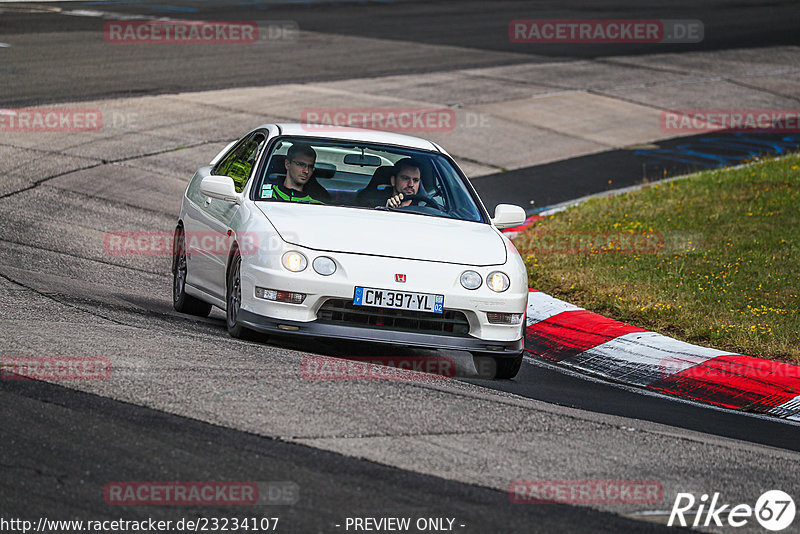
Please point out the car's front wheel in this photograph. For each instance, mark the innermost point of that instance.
(489, 365)
(233, 299)
(180, 300)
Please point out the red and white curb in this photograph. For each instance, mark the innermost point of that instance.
(590, 343)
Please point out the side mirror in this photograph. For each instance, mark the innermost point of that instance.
(219, 187)
(508, 215)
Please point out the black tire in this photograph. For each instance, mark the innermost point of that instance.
(180, 300)
(503, 367)
(508, 367)
(233, 299)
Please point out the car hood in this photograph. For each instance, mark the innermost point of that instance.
(386, 233)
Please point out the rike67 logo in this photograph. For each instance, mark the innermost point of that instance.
(774, 510)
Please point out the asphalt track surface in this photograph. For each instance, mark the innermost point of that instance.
(61, 445)
(65, 58)
(562, 181)
(72, 443)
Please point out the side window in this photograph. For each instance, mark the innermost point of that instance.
(239, 163)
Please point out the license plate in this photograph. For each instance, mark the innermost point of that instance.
(399, 300)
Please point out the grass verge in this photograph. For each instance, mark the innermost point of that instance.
(712, 259)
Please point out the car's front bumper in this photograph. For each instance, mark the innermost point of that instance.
(378, 272)
(322, 329)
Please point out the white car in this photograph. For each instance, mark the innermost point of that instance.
(334, 261)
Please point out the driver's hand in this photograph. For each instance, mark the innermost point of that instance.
(395, 201)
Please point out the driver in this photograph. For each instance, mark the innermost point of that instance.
(405, 181)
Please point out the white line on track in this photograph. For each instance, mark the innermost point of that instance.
(106, 15)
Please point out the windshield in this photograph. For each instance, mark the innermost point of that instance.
(366, 176)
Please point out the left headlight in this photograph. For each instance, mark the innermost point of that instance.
(294, 261)
(497, 281)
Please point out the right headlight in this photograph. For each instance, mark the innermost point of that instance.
(497, 281)
(324, 265)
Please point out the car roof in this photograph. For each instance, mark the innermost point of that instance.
(356, 134)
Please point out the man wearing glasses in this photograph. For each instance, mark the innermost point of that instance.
(299, 162)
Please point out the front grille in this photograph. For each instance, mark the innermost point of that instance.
(340, 311)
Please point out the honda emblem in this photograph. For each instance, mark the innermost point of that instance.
(400, 278)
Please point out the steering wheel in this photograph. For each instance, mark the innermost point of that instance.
(421, 197)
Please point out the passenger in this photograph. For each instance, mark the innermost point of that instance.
(300, 160)
(405, 181)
